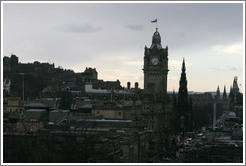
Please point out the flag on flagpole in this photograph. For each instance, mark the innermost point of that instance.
(154, 21)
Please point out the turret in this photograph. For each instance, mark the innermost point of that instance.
(217, 97)
(156, 40)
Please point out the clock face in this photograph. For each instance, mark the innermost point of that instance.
(155, 61)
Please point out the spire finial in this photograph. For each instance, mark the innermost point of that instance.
(183, 65)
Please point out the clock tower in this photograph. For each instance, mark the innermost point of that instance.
(155, 68)
(157, 116)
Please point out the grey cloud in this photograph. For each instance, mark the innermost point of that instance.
(136, 27)
(234, 69)
(82, 28)
(225, 69)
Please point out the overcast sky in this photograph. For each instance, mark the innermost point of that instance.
(111, 38)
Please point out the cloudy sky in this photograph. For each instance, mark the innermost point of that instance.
(111, 38)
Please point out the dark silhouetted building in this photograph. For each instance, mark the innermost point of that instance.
(184, 106)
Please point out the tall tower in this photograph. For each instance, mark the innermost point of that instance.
(155, 85)
(156, 115)
(235, 85)
(224, 94)
(156, 68)
(236, 99)
(217, 96)
(234, 93)
(183, 92)
(184, 107)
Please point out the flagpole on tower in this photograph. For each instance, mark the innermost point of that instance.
(155, 21)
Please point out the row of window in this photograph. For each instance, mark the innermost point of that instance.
(15, 110)
(153, 74)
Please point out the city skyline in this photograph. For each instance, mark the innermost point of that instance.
(111, 38)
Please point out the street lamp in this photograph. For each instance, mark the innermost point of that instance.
(22, 85)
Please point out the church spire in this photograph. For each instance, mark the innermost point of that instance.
(235, 85)
(224, 94)
(217, 97)
(183, 92)
(184, 108)
(218, 89)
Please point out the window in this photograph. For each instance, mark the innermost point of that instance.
(119, 113)
(98, 112)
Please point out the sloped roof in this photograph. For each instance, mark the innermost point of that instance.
(36, 105)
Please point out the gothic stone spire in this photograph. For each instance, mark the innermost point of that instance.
(224, 94)
(183, 92)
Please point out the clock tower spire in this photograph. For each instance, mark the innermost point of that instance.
(156, 40)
